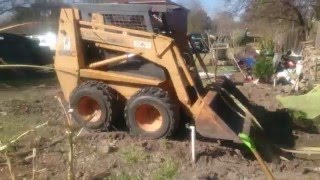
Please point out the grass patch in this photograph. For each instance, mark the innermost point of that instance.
(133, 155)
(167, 170)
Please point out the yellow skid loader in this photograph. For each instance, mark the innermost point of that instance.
(136, 55)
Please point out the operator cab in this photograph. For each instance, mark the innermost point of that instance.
(168, 19)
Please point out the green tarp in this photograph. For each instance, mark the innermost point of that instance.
(308, 105)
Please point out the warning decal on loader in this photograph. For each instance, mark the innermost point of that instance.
(142, 44)
(66, 44)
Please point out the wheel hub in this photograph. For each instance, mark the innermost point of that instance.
(89, 109)
(148, 118)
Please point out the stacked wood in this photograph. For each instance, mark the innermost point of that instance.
(311, 56)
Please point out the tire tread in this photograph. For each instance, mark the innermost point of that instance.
(104, 91)
(165, 98)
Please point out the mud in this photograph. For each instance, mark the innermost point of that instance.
(117, 155)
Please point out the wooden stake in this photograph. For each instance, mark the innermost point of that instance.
(34, 154)
(263, 165)
(249, 143)
(10, 167)
(70, 133)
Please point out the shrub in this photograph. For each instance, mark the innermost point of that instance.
(263, 69)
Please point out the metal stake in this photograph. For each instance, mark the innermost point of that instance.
(193, 142)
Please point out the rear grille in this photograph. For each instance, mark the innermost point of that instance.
(136, 22)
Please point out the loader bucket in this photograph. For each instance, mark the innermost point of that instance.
(217, 120)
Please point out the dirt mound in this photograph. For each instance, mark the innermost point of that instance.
(117, 155)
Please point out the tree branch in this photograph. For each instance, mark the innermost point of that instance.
(10, 9)
(279, 17)
(297, 11)
(284, 18)
(7, 10)
(4, 1)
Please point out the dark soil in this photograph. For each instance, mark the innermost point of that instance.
(117, 155)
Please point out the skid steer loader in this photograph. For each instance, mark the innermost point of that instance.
(136, 55)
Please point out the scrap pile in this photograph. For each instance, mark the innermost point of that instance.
(288, 69)
(307, 104)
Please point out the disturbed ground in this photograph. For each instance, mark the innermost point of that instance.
(117, 155)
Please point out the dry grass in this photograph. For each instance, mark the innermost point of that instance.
(167, 170)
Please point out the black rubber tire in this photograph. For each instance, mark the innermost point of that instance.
(158, 99)
(99, 92)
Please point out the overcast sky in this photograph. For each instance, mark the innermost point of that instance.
(211, 6)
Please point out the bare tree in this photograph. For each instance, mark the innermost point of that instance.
(299, 12)
(6, 10)
(224, 23)
(198, 20)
